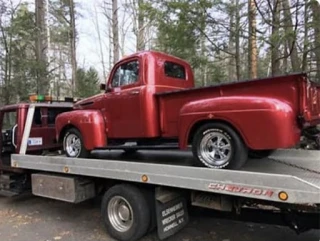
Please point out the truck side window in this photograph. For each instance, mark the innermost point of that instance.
(126, 74)
(9, 120)
(174, 70)
(53, 113)
(37, 117)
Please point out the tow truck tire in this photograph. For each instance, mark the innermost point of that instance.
(125, 212)
(72, 149)
(217, 145)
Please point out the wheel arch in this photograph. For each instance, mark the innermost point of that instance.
(198, 124)
(238, 152)
(64, 131)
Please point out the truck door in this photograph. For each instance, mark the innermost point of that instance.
(37, 132)
(123, 102)
(8, 138)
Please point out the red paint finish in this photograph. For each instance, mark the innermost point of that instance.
(131, 111)
(264, 112)
(90, 123)
(43, 127)
(157, 105)
(272, 123)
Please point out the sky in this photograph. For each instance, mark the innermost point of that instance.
(88, 51)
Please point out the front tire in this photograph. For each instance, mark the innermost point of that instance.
(217, 145)
(125, 212)
(73, 144)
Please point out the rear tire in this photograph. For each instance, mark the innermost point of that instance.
(217, 145)
(73, 144)
(125, 212)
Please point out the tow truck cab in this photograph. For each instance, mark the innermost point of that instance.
(42, 134)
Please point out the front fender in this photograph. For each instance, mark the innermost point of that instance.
(90, 123)
(263, 123)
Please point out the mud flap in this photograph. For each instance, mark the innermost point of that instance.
(171, 212)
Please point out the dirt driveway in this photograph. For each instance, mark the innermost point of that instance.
(30, 218)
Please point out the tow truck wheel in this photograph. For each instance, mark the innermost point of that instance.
(125, 212)
(73, 144)
(216, 145)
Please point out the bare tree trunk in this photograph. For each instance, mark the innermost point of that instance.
(140, 32)
(316, 26)
(237, 40)
(305, 39)
(291, 35)
(231, 47)
(203, 65)
(115, 31)
(73, 47)
(285, 60)
(60, 71)
(42, 81)
(275, 64)
(100, 44)
(252, 40)
(110, 49)
(7, 65)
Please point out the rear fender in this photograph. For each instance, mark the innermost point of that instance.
(263, 123)
(90, 123)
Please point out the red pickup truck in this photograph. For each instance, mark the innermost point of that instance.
(150, 98)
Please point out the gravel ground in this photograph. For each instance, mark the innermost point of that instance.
(30, 218)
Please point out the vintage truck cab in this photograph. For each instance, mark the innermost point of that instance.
(150, 98)
(42, 134)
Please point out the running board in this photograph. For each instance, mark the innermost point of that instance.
(136, 147)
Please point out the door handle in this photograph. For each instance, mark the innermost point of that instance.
(134, 92)
(14, 135)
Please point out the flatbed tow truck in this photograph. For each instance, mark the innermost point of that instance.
(139, 197)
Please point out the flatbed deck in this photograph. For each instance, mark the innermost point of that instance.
(295, 172)
(288, 180)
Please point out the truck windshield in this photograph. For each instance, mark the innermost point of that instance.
(9, 120)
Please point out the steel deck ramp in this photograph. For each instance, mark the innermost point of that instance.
(293, 171)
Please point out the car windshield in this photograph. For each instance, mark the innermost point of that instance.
(9, 120)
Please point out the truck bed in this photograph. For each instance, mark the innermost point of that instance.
(295, 172)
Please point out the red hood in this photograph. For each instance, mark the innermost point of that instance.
(88, 103)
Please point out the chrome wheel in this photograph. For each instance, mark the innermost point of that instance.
(73, 145)
(120, 214)
(215, 149)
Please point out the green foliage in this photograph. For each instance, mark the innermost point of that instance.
(179, 26)
(87, 82)
(21, 69)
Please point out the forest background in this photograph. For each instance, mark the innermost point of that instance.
(68, 47)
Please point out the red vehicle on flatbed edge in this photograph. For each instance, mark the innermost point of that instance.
(150, 98)
(42, 134)
(138, 197)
